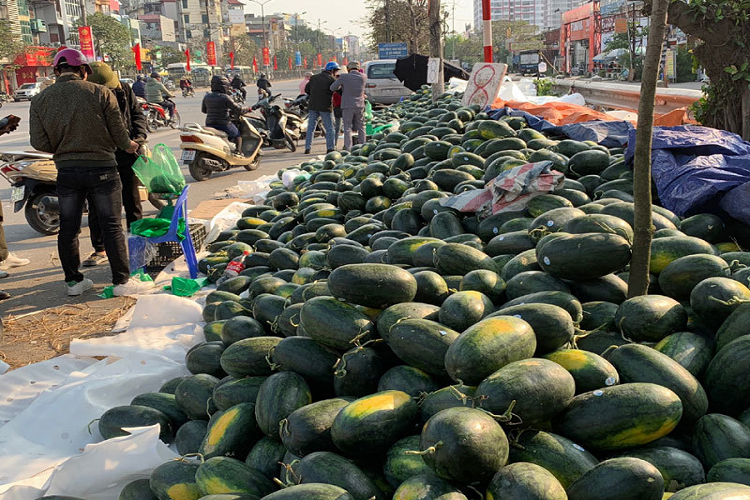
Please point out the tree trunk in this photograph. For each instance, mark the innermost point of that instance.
(436, 46)
(414, 42)
(643, 226)
(746, 114)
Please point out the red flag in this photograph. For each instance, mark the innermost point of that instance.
(231, 59)
(290, 62)
(346, 61)
(275, 63)
(266, 57)
(187, 55)
(211, 53)
(137, 51)
(255, 65)
(305, 62)
(320, 59)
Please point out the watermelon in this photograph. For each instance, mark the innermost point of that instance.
(175, 480)
(589, 370)
(622, 478)
(308, 429)
(525, 480)
(717, 437)
(219, 475)
(372, 285)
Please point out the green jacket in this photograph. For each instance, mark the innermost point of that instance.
(79, 122)
(156, 91)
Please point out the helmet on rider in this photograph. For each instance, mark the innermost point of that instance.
(139, 78)
(220, 84)
(71, 58)
(332, 66)
(155, 75)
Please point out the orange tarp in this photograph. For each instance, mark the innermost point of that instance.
(563, 113)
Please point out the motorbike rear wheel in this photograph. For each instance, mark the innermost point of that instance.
(152, 121)
(198, 169)
(254, 165)
(175, 121)
(290, 144)
(37, 218)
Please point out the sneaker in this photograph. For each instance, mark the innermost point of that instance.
(13, 261)
(4, 274)
(134, 286)
(77, 288)
(95, 259)
(307, 151)
(4, 295)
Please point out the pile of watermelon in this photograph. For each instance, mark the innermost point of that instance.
(380, 345)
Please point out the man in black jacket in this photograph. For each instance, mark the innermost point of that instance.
(320, 102)
(239, 84)
(133, 116)
(219, 108)
(264, 86)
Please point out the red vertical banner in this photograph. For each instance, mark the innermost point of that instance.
(211, 53)
(275, 63)
(187, 64)
(305, 62)
(231, 59)
(320, 59)
(137, 52)
(346, 61)
(290, 62)
(86, 40)
(255, 65)
(266, 57)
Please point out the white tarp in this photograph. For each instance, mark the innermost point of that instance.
(45, 443)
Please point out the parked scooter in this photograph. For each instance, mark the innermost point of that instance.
(33, 180)
(284, 129)
(207, 150)
(157, 117)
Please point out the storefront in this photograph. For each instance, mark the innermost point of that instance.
(35, 63)
(580, 41)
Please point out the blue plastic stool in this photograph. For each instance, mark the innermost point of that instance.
(180, 212)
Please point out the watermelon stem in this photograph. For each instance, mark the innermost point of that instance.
(287, 469)
(609, 350)
(208, 406)
(731, 302)
(89, 426)
(269, 358)
(284, 427)
(429, 451)
(191, 455)
(453, 389)
(507, 416)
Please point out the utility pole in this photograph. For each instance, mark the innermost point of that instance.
(263, 24)
(436, 46)
(83, 13)
(453, 15)
(388, 33)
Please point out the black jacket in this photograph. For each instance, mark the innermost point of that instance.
(319, 91)
(237, 83)
(139, 88)
(134, 119)
(264, 84)
(218, 108)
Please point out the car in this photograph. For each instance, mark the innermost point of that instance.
(129, 81)
(27, 91)
(382, 86)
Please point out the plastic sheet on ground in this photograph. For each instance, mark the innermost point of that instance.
(225, 219)
(556, 112)
(694, 166)
(46, 446)
(511, 190)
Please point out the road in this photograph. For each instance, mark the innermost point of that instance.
(40, 285)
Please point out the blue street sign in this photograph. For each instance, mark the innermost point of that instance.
(298, 58)
(392, 50)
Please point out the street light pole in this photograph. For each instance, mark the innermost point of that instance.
(263, 23)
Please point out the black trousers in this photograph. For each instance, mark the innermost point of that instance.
(103, 188)
(131, 200)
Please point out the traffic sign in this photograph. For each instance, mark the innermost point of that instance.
(392, 50)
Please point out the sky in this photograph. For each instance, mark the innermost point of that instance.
(344, 16)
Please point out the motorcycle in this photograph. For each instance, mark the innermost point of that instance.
(284, 129)
(236, 96)
(206, 150)
(33, 179)
(188, 91)
(157, 116)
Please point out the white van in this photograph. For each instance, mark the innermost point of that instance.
(382, 86)
(27, 91)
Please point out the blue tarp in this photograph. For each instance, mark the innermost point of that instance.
(610, 134)
(693, 166)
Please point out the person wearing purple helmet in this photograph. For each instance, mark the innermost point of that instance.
(80, 123)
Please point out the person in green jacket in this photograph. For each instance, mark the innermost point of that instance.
(157, 93)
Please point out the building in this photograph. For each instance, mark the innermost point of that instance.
(531, 11)
(277, 30)
(552, 12)
(158, 30)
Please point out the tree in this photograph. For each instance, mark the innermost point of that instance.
(511, 31)
(111, 38)
(643, 227)
(723, 27)
(468, 50)
(170, 55)
(408, 23)
(244, 49)
(10, 46)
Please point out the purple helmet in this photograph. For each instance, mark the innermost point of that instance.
(72, 57)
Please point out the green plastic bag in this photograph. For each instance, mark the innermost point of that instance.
(152, 228)
(186, 287)
(368, 111)
(160, 173)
